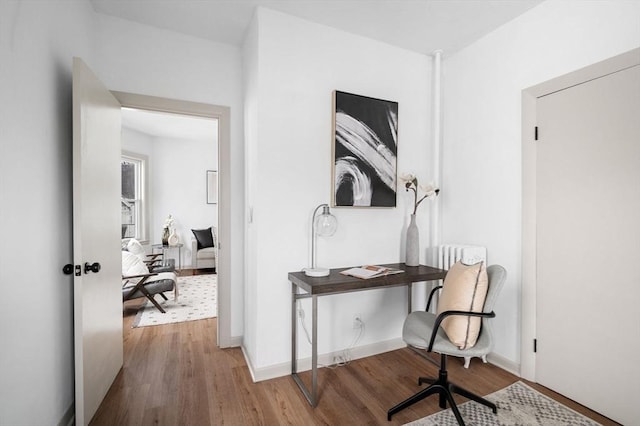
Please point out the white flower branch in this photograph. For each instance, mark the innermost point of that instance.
(411, 184)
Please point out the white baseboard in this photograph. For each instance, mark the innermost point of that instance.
(235, 342)
(284, 369)
(304, 364)
(504, 363)
(69, 417)
(249, 363)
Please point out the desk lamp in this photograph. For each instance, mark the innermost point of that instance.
(324, 225)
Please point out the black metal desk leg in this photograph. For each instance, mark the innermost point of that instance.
(311, 396)
(294, 330)
(314, 353)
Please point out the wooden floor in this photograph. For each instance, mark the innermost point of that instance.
(175, 375)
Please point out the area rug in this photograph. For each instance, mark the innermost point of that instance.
(197, 299)
(518, 404)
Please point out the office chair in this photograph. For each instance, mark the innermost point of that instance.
(423, 330)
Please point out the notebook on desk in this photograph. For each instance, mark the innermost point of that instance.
(370, 271)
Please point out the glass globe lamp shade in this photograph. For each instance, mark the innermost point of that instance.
(326, 223)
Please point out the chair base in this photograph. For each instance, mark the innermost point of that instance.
(149, 297)
(445, 390)
(155, 303)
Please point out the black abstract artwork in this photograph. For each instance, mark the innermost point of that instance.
(364, 151)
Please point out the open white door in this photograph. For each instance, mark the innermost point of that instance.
(96, 240)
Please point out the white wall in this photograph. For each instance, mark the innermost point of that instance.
(179, 188)
(137, 142)
(37, 43)
(482, 126)
(297, 65)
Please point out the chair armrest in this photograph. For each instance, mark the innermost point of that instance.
(127, 277)
(431, 296)
(194, 252)
(138, 284)
(153, 256)
(145, 277)
(446, 314)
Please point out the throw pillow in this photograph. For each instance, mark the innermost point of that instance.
(464, 289)
(132, 265)
(136, 248)
(204, 237)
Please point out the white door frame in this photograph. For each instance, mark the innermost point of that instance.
(223, 263)
(529, 202)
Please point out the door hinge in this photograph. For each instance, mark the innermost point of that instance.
(536, 133)
(535, 345)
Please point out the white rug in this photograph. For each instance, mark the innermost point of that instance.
(518, 404)
(197, 299)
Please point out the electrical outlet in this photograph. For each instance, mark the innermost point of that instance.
(357, 321)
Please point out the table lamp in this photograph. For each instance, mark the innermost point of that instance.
(325, 225)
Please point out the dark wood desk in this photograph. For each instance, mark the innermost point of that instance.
(337, 283)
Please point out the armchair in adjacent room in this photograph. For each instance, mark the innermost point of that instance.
(155, 262)
(138, 282)
(204, 248)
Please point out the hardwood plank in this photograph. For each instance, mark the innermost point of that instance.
(175, 375)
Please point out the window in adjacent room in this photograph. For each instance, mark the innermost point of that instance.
(134, 209)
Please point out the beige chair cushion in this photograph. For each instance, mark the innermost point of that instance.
(207, 253)
(464, 289)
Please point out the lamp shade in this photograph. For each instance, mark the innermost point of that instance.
(325, 225)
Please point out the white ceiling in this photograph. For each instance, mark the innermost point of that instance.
(170, 126)
(418, 25)
(422, 26)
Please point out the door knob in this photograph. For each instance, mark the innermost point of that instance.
(67, 269)
(91, 267)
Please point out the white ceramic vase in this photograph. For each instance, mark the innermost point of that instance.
(413, 243)
(173, 238)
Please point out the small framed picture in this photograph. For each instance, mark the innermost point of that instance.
(212, 186)
(364, 150)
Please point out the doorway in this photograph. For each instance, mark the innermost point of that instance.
(222, 115)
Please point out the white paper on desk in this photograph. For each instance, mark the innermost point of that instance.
(370, 271)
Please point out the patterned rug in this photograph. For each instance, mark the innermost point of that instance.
(518, 404)
(197, 299)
